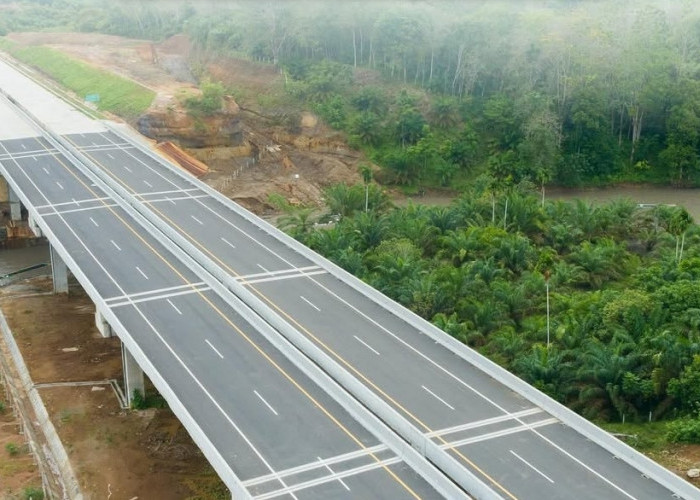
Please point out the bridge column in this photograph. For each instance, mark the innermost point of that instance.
(102, 325)
(34, 227)
(59, 272)
(133, 375)
(15, 205)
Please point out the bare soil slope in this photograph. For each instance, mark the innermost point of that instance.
(296, 159)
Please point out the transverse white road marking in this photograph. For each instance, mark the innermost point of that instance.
(214, 349)
(115, 245)
(333, 473)
(59, 184)
(93, 221)
(174, 306)
(531, 466)
(142, 273)
(366, 345)
(197, 220)
(266, 403)
(438, 397)
(228, 242)
(309, 302)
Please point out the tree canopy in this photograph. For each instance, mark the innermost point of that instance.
(564, 91)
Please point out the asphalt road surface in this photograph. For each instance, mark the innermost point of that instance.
(281, 434)
(514, 446)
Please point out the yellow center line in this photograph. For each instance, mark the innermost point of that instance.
(314, 337)
(230, 322)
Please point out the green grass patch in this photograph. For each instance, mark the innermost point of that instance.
(646, 437)
(118, 95)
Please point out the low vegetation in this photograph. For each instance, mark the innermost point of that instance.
(117, 95)
(12, 449)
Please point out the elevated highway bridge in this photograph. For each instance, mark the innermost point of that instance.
(294, 377)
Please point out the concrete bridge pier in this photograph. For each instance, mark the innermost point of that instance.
(34, 227)
(103, 325)
(133, 375)
(15, 204)
(59, 272)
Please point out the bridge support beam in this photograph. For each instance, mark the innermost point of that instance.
(133, 375)
(15, 204)
(59, 272)
(102, 325)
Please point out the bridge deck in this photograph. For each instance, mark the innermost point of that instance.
(273, 426)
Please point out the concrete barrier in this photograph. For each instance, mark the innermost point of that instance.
(59, 481)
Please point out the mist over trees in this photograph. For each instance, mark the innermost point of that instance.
(570, 91)
(564, 91)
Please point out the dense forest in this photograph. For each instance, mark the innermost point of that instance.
(437, 93)
(596, 305)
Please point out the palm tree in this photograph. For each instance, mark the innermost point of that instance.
(515, 253)
(366, 128)
(370, 228)
(443, 218)
(603, 261)
(545, 368)
(342, 200)
(298, 222)
(603, 371)
(507, 344)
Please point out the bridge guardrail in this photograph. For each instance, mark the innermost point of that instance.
(195, 431)
(406, 451)
(617, 448)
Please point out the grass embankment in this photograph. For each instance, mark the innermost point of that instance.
(118, 95)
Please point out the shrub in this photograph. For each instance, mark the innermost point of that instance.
(12, 449)
(138, 401)
(209, 102)
(33, 493)
(685, 430)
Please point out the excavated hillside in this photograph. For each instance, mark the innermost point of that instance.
(255, 146)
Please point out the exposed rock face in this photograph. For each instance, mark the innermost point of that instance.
(170, 123)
